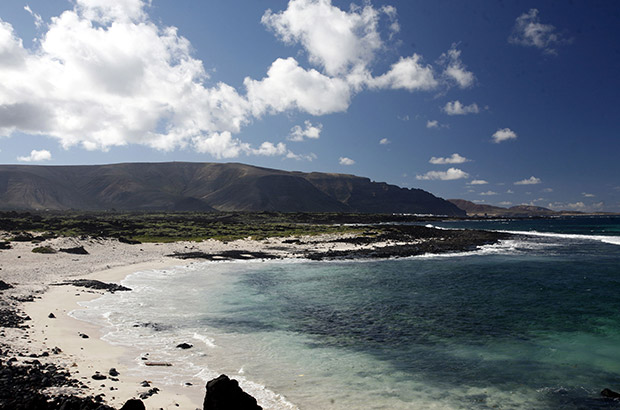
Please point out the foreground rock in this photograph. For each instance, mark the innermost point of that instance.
(225, 394)
(95, 284)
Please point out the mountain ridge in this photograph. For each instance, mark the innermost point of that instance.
(204, 186)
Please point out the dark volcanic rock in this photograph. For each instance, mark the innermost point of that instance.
(129, 241)
(225, 394)
(95, 284)
(10, 318)
(232, 254)
(414, 240)
(184, 346)
(51, 316)
(5, 245)
(78, 250)
(133, 404)
(610, 394)
(4, 285)
(99, 376)
(113, 372)
(21, 385)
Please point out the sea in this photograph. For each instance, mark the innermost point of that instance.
(532, 322)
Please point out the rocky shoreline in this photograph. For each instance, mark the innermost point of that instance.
(32, 376)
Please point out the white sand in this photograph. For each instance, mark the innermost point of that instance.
(108, 261)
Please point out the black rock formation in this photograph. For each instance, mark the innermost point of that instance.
(4, 285)
(610, 394)
(184, 346)
(95, 284)
(133, 404)
(225, 394)
(78, 250)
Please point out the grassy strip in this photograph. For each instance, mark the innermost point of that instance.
(169, 227)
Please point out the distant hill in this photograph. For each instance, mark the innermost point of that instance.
(186, 186)
(474, 209)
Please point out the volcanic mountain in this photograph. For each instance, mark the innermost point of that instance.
(188, 186)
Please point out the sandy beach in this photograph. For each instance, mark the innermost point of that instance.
(40, 289)
(110, 261)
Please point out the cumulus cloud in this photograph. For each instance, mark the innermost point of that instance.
(529, 181)
(453, 159)
(408, 73)
(455, 70)
(346, 161)
(384, 141)
(478, 182)
(587, 195)
(504, 134)
(309, 130)
(530, 32)
(36, 156)
(104, 74)
(488, 193)
(335, 40)
(450, 174)
(456, 108)
(505, 203)
(432, 124)
(289, 86)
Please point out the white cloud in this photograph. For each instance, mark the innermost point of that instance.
(432, 124)
(346, 161)
(504, 134)
(335, 40)
(478, 182)
(488, 193)
(510, 191)
(456, 108)
(38, 21)
(586, 195)
(455, 70)
(310, 130)
(289, 86)
(453, 159)
(270, 149)
(384, 141)
(547, 190)
(450, 174)
(220, 145)
(309, 157)
(505, 203)
(104, 74)
(530, 32)
(529, 181)
(408, 73)
(36, 156)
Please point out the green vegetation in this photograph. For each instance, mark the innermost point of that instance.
(176, 226)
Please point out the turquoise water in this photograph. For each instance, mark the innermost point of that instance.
(531, 323)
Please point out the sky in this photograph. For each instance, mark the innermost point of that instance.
(497, 102)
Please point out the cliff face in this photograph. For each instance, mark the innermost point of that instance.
(179, 186)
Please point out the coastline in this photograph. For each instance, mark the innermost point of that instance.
(34, 295)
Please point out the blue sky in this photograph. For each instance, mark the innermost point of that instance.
(498, 102)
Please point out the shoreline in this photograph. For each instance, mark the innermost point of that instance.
(33, 295)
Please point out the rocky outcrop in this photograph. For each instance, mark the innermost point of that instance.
(225, 394)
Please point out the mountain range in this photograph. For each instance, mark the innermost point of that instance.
(473, 209)
(188, 186)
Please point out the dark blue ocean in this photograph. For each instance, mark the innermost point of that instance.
(530, 323)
